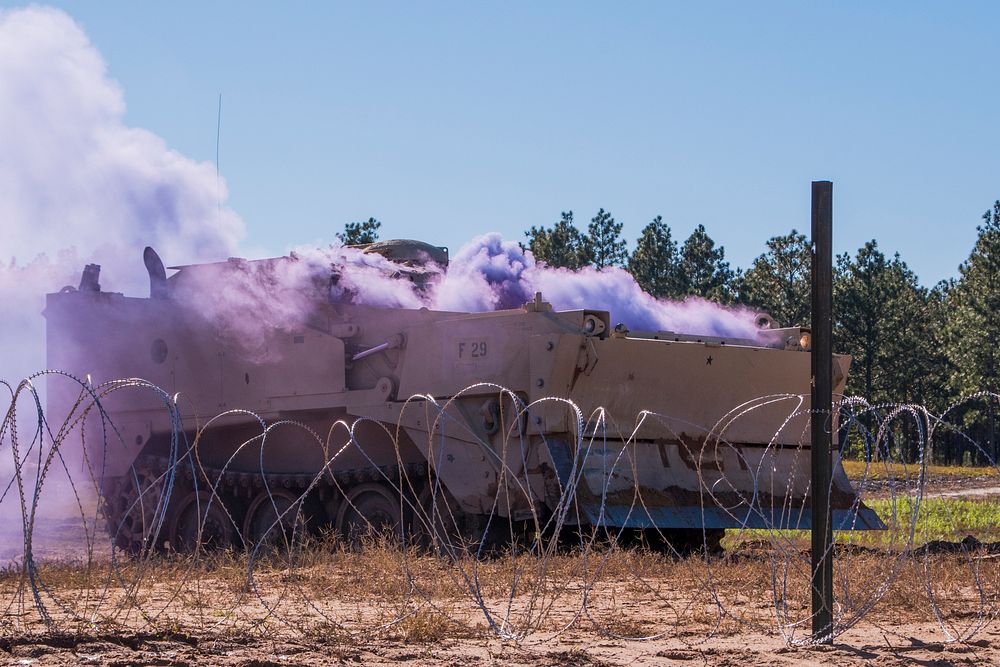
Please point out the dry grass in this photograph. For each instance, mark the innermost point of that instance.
(895, 471)
(335, 595)
(425, 625)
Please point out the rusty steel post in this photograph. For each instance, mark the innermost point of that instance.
(822, 409)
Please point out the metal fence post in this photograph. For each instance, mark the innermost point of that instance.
(822, 409)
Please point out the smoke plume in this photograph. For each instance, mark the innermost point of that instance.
(490, 273)
(74, 175)
(248, 301)
(77, 184)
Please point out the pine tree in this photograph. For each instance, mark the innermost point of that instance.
(607, 247)
(655, 264)
(931, 365)
(704, 269)
(562, 245)
(779, 280)
(885, 322)
(972, 331)
(974, 312)
(360, 233)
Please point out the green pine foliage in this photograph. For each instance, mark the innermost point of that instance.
(884, 320)
(704, 271)
(360, 233)
(973, 313)
(778, 282)
(655, 264)
(604, 238)
(562, 245)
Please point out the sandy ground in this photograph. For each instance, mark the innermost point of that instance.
(576, 648)
(900, 629)
(975, 492)
(181, 623)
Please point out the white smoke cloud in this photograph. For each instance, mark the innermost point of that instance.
(77, 185)
(486, 274)
(73, 175)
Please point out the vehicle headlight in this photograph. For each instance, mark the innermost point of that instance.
(805, 340)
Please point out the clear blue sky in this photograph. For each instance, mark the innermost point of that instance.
(446, 120)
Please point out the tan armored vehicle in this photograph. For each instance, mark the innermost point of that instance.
(419, 422)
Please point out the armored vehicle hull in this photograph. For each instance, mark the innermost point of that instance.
(426, 423)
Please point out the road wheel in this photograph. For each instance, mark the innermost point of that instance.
(370, 510)
(136, 509)
(274, 520)
(201, 521)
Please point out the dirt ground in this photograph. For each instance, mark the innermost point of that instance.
(375, 608)
(379, 607)
(575, 648)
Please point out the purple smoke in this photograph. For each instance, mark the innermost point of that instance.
(489, 273)
(248, 301)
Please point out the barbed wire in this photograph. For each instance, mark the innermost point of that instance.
(363, 527)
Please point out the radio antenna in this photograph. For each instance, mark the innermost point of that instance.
(218, 178)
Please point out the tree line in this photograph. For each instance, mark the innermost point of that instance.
(910, 343)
